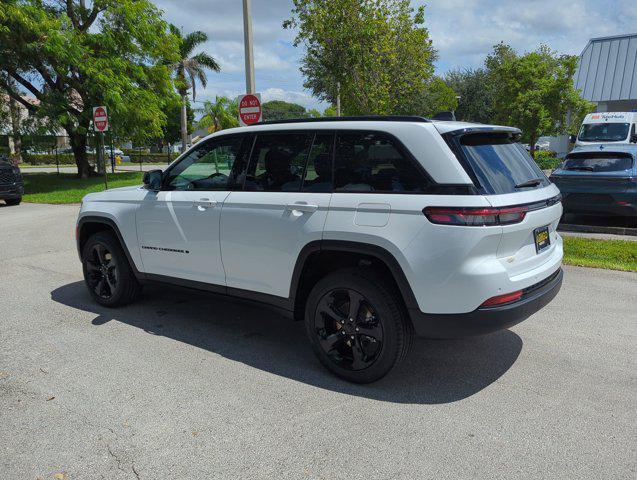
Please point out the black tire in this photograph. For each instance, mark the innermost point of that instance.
(108, 275)
(13, 201)
(371, 338)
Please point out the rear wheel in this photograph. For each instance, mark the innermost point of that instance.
(13, 201)
(356, 325)
(107, 273)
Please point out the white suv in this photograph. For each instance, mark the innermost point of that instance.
(369, 229)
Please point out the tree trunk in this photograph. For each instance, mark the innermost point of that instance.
(532, 142)
(184, 124)
(78, 145)
(15, 114)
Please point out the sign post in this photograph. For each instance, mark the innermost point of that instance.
(249, 109)
(100, 123)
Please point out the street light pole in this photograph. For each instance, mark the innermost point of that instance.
(247, 41)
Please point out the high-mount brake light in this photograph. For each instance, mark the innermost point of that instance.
(475, 216)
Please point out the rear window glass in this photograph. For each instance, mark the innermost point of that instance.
(598, 162)
(604, 132)
(500, 164)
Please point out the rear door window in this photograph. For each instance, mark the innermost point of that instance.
(598, 162)
(499, 164)
(374, 162)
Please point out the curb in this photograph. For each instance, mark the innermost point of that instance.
(565, 227)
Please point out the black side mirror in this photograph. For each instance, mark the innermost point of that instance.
(153, 180)
(572, 138)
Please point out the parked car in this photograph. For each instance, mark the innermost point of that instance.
(607, 128)
(11, 183)
(599, 180)
(369, 229)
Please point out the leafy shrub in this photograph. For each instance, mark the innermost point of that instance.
(547, 160)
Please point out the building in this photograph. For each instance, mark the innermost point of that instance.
(607, 73)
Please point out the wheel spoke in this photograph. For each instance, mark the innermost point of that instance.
(359, 359)
(331, 341)
(99, 287)
(355, 300)
(111, 284)
(326, 307)
(100, 251)
(369, 329)
(91, 266)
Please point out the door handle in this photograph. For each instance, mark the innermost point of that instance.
(204, 203)
(302, 207)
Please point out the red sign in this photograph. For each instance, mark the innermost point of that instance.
(100, 119)
(249, 109)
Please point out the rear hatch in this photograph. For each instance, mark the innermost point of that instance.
(594, 173)
(511, 181)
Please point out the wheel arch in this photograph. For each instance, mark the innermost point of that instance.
(91, 224)
(320, 257)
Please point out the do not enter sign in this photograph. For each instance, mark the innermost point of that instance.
(249, 109)
(100, 119)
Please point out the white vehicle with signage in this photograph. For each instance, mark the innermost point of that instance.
(369, 229)
(607, 127)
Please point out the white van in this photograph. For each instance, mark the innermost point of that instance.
(605, 127)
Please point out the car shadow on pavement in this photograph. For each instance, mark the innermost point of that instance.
(436, 371)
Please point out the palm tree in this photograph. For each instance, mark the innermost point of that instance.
(188, 70)
(220, 114)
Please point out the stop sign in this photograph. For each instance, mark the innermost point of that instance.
(249, 109)
(100, 119)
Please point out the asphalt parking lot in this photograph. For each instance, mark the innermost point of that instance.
(186, 385)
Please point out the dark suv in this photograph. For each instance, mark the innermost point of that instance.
(11, 184)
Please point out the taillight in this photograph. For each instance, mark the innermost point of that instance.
(503, 299)
(475, 216)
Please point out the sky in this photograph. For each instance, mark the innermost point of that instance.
(463, 32)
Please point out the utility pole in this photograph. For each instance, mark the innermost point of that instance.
(247, 41)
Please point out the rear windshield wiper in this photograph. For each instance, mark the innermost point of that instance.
(534, 182)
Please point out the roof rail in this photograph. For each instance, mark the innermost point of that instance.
(362, 118)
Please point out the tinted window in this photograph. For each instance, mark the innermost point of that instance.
(500, 164)
(318, 173)
(206, 167)
(604, 132)
(598, 162)
(278, 161)
(372, 162)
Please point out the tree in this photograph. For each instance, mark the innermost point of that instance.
(172, 129)
(188, 70)
(435, 97)
(280, 110)
(535, 91)
(476, 91)
(378, 51)
(72, 56)
(221, 114)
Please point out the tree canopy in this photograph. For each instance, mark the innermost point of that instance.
(221, 114)
(535, 91)
(377, 51)
(476, 91)
(281, 110)
(72, 56)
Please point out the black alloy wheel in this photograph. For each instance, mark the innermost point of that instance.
(348, 329)
(103, 275)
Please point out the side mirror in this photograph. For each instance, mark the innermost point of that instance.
(633, 138)
(572, 138)
(153, 180)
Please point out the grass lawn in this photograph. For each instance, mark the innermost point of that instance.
(611, 254)
(67, 188)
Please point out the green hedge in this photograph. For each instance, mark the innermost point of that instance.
(49, 159)
(547, 160)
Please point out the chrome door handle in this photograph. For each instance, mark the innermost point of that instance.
(302, 207)
(204, 203)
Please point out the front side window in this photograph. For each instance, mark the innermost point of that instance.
(277, 163)
(318, 173)
(604, 132)
(373, 162)
(206, 167)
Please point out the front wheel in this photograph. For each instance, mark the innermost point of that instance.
(356, 325)
(107, 273)
(13, 201)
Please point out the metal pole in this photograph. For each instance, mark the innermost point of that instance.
(112, 158)
(140, 159)
(338, 99)
(103, 161)
(57, 160)
(247, 42)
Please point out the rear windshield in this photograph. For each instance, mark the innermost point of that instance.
(604, 132)
(598, 162)
(500, 164)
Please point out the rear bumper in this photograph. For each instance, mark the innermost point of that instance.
(487, 320)
(617, 204)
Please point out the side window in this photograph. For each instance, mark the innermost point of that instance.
(206, 167)
(318, 173)
(278, 161)
(371, 162)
